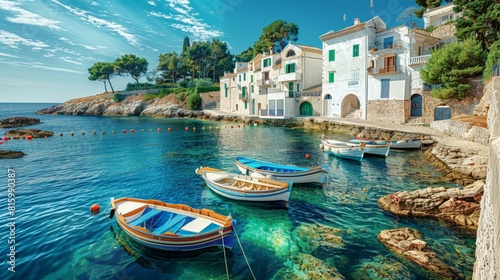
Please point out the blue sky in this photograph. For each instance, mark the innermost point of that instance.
(46, 46)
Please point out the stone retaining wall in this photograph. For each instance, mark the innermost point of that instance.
(487, 264)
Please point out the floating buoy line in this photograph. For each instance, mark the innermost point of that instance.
(5, 139)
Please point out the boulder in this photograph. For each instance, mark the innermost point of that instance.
(35, 133)
(11, 154)
(18, 121)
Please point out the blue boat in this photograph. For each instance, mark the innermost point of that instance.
(172, 227)
(294, 173)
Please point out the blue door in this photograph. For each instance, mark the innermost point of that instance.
(442, 113)
(416, 106)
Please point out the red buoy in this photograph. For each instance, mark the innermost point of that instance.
(169, 129)
(308, 156)
(186, 128)
(158, 130)
(95, 208)
(5, 138)
(132, 130)
(29, 137)
(124, 131)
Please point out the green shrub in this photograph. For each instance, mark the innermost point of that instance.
(118, 97)
(181, 96)
(207, 89)
(430, 28)
(491, 60)
(194, 101)
(150, 96)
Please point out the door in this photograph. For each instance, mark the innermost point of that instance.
(306, 109)
(442, 113)
(328, 111)
(253, 106)
(416, 106)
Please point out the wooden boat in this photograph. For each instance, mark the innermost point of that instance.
(342, 150)
(172, 227)
(376, 148)
(244, 187)
(395, 144)
(294, 173)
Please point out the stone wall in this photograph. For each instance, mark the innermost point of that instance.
(487, 264)
(463, 130)
(389, 111)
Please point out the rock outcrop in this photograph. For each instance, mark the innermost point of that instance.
(408, 243)
(11, 154)
(18, 121)
(455, 205)
(22, 133)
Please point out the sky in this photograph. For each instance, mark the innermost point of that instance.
(46, 46)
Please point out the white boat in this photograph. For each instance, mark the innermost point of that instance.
(296, 174)
(395, 144)
(244, 187)
(342, 150)
(376, 148)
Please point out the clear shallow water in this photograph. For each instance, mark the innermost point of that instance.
(60, 177)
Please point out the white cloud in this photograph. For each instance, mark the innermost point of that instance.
(187, 21)
(92, 48)
(152, 3)
(69, 60)
(8, 55)
(12, 40)
(24, 16)
(101, 23)
(39, 66)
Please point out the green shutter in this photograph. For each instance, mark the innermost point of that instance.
(251, 78)
(331, 55)
(331, 77)
(244, 76)
(246, 104)
(243, 92)
(290, 89)
(226, 91)
(355, 51)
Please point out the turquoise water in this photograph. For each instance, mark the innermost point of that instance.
(334, 226)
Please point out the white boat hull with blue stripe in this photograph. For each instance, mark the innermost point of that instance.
(245, 188)
(296, 174)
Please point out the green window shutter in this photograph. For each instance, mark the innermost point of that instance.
(246, 104)
(331, 55)
(244, 76)
(251, 88)
(251, 78)
(290, 89)
(355, 51)
(331, 77)
(226, 91)
(243, 92)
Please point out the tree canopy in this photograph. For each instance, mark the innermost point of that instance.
(480, 20)
(245, 56)
(102, 71)
(451, 66)
(130, 64)
(276, 35)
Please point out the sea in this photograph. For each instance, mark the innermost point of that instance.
(329, 231)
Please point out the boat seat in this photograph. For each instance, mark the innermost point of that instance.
(145, 217)
(175, 223)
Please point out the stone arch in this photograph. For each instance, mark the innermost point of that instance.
(306, 109)
(290, 53)
(350, 106)
(416, 105)
(328, 106)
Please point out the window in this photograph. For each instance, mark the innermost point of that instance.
(331, 55)
(244, 76)
(251, 88)
(267, 62)
(243, 92)
(355, 74)
(290, 89)
(298, 88)
(239, 78)
(290, 53)
(355, 50)
(384, 89)
(331, 77)
(225, 89)
(290, 68)
(246, 104)
(388, 42)
(251, 78)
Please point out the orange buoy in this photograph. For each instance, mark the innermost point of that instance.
(308, 156)
(169, 129)
(95, 208)
(29, 137)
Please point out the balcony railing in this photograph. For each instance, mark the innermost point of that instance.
(263, 83)
(243, 96)
(415, 60)
(290, 77)
(272, 112)
(305, 94)
(382, 70)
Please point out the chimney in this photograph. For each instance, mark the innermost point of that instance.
(356, 21)
(271, 50)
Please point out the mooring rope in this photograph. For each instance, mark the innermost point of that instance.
(104, 212)
(243, 251)
(224, 250)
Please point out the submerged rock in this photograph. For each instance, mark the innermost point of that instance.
(304, 266)
(459, 206)
(11, 154)
(381, 267)
(408, 242)
(310, 237)
(18, 121)
(35, 133)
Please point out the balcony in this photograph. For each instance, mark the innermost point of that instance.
(263, 83)
(243, 96)
(416, 60)
(290, 77)
(353, 83)
(382, 70)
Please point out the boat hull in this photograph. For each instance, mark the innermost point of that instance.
(196, 229)
(297, 174)
(406, 144)
(343, 151)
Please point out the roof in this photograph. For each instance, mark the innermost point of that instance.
(317, 88)
(352, 29)
(228, 75)
(436, 9)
